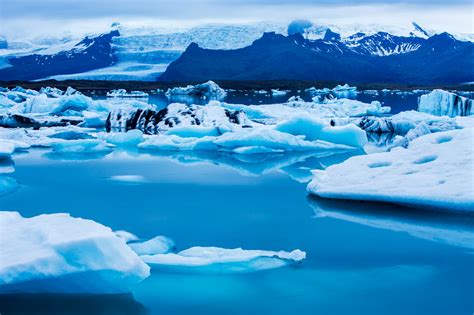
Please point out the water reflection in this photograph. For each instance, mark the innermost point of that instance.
(297, 165)
(47, 304)
(452, 229)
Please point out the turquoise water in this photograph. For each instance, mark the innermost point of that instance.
(362, 258)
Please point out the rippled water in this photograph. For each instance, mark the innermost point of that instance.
(362, 258)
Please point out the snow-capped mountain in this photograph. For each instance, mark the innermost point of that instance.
(382, 44)
(384, 58)
(143, 53)
(93, 52)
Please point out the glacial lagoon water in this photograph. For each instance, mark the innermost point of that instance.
(362, 258)
(398, 100)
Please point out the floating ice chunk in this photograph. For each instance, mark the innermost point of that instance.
(345, 87)
(135, 179)
(246, 141)
(61, 254)
(196, 131)
(443, 103)
(207, 90)
(174, 143)
(271, 113)
(81, 146)
(295, 98)
(403, 122)
(225, 260)
(127, 236)
(175, 115)
(122, 93)
(157, 245)
(341, 91)
(271, 139)
(92, 120)
(129, 138)
(277, 92)
(6, 149)
(314, 129)
(42, 104)
(434, 171)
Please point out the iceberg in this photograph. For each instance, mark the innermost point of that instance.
(443, 103)
(215, 259)
(154, 246)
(403, 122)
(341, 91)
(6, 149)
(340, 108)
(435, 171)
(122, 93)
(246, 141)
(81, 146)
(314, 129)
(277, 92)
(129, 138)
(295, 98)
(56, 253)
(151, 121)
(208, 90)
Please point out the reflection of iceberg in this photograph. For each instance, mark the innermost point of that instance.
(8, 185)
(454, 230)
(297, 165)
(71, 304)
(6, 166)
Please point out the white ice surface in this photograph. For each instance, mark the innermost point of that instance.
(59, 253)
(436, 170)
(443, 103)
(226, 260)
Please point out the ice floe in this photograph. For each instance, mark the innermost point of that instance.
(435, 171)
(215, 259)
(61, 254)
(122, 93)
(154, 246)
(340, 91)
(277, 92)
(208, 90)
(341, 108)
(314, 129)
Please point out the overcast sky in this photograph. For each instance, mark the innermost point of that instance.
(19, 18)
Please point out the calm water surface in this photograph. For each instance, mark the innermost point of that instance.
(362, 258)
(398, 101)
